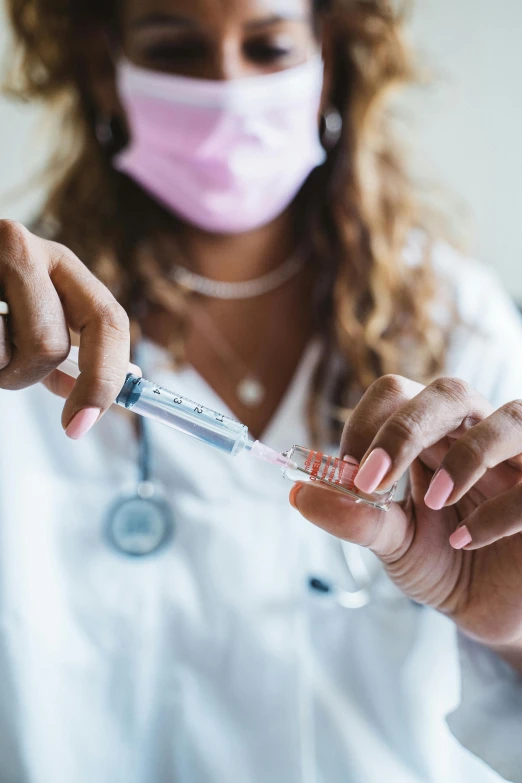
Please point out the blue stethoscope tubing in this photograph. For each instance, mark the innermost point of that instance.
(140, 523)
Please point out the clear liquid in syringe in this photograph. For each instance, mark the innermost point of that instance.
(209, 426)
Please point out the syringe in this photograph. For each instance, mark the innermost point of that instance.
(231, 437)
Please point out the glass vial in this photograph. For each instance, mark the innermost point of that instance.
(304, 464)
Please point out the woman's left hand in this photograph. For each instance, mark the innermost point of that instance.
(465, 467)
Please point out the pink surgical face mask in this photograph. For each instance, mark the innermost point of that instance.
(227, 156)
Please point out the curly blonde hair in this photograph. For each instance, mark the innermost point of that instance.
(375, 312)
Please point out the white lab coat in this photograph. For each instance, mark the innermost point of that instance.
(212, 662)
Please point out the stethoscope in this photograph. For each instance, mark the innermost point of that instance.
(141, 524)
(362, 579)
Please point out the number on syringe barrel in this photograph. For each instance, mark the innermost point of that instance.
(219, 417)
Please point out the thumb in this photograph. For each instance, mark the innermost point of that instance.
(384, 532)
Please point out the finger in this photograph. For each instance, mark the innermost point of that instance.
(59, 383)
(38, 334)
(103, 326)
(495, 440)
(381, 400)
(448, 405)
(492, 521)
(493, 482)
(382, 532)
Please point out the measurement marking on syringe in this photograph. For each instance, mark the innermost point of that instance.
(199, 409)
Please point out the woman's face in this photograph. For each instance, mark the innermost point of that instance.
(218, 39)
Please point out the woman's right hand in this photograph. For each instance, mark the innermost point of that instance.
(49, 290)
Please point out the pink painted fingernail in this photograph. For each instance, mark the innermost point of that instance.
(373, 471)
(439, 490)
(82, 422)
(351, 460)
(460, 538)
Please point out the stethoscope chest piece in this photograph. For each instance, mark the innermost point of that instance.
(141, 523)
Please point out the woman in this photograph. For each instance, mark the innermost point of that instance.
(277, 279)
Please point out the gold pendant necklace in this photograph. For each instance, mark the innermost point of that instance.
(250, 391)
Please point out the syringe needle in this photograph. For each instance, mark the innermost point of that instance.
(265, 453)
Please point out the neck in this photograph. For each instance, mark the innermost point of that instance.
(239, 257)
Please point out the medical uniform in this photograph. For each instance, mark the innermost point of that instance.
(212, 661)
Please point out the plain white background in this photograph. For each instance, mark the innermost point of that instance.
(468, 123)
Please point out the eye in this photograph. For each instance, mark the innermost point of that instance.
(263, 51)
(175, 53)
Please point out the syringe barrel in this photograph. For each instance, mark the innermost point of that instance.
(204, 424)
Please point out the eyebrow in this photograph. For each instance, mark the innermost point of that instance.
(277, 19)
(177, 20)
(155, 19)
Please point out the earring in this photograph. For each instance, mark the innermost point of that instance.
(332, 127)
(104, 130)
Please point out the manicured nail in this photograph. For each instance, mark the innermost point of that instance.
(351, 460)
(439, 490)
(82, 422)
(460, 538)
(373, 471)
(293, 495)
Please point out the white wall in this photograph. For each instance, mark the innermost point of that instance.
(469, 124)
(470, 121)
(22, 147)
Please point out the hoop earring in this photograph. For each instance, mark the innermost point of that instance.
(332, 122)
(104, 129)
